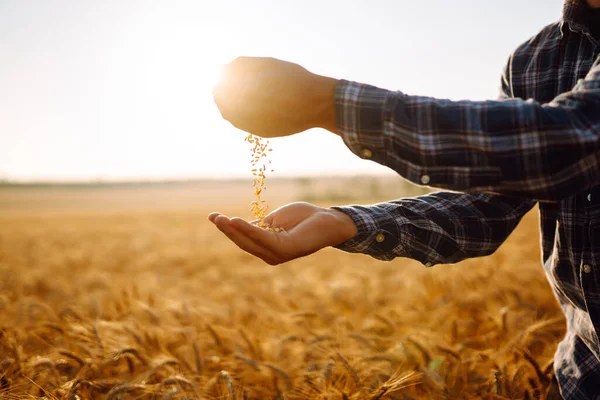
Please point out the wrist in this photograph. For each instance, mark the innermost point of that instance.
(345, 225)
(323, 103)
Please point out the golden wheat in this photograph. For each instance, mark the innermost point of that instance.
(145, 305)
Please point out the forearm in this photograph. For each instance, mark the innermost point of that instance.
(440, 228)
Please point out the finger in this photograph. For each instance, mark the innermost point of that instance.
(266, 239)
(213, 216)
(244, 242)
(243, 65)
(223, 100)
(226, 97)
(269, 218)
(248, 245)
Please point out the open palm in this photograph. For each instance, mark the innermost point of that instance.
(307, 229)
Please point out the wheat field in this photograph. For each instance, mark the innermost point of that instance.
(130, 293)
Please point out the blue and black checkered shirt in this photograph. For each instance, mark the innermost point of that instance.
(540, 142)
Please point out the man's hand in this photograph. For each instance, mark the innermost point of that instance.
(271, 98)
(308, 228)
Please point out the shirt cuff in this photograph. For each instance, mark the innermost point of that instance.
(373, 238)
(361, 111)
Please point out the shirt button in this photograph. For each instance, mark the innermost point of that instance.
(367, 153)
(380, 237)
(425, 179)
(587, 269)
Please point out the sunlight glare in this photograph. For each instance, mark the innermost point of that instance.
(216, 75)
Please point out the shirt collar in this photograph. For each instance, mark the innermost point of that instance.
(574, 16)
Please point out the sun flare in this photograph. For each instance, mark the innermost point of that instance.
(215, 75)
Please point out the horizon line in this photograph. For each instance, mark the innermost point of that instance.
(112, 181)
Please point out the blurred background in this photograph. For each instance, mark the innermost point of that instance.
(120, 90)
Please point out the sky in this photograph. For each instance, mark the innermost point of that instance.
(121, 89)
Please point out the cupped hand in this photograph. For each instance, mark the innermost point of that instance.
(270, 98)
(307, 229)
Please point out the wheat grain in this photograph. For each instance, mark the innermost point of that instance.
(284, 375)
(178, 381)
(327, 371)
(252, 363)
(228, 383)
(197, 358)
(259, 207)
(252, 348)
(349, 368)
(72, 356)
(132, 351)
(119, 390)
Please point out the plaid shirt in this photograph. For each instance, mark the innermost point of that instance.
(504, 156)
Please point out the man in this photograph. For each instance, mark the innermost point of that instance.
(504, 156)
